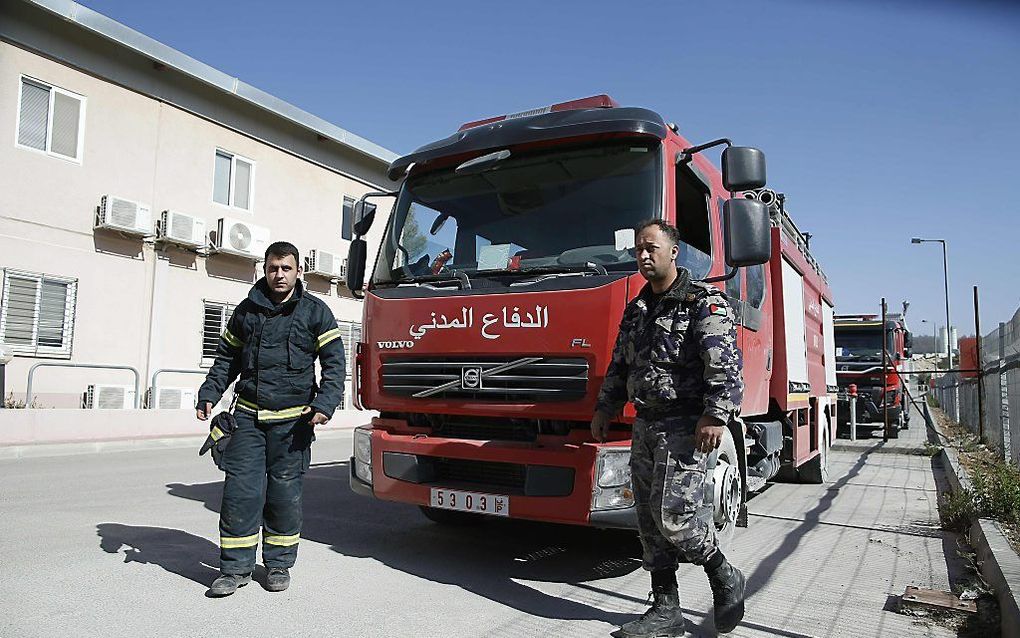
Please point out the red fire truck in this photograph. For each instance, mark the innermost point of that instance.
(495, 301)
(859, 360)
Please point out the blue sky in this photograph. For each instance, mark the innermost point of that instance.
(880, 120)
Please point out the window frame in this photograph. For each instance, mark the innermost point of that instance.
(760, 303)
(53, 90)
(231, 185)
(348, 331)
(66, 349)
(227, 312)
(347, 229)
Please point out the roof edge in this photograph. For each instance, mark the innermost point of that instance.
(142, 44)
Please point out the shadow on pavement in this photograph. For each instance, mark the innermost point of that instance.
(176, 551)
(486, 559)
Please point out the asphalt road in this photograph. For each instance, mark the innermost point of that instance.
(123, 543)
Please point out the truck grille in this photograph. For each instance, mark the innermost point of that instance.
(508, 379)
(481, 429)
(503, 475)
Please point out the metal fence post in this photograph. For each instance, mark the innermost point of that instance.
(1007, 451)
(981, 369)
(853, 413)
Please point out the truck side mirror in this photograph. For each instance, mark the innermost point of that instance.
(748, 232)
(364, 215)
(356, 256)
(743, 168)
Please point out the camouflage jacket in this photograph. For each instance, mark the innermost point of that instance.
(678, 355)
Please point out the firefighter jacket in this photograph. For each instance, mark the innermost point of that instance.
(271, 350)
(676, 355)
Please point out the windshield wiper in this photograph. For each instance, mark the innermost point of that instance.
(571, 269)
(452, 275)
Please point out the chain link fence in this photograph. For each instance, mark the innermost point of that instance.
(1000, 363)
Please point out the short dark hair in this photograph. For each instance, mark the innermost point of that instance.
(667, 229)
(281, 249)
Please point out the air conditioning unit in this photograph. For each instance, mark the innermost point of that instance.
(240, 238)
(109, 397)
(173, 399)
(320, 262)
(124, 215)
(177, 228)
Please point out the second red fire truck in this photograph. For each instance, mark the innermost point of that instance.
(493, 307)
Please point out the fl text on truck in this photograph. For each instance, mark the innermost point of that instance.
(493, 307)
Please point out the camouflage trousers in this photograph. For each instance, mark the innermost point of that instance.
(673, 491)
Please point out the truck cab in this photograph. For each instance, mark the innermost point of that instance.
(880, 391)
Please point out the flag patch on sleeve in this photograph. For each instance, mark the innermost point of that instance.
(714, 309)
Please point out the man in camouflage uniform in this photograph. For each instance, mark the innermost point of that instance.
(677, 360)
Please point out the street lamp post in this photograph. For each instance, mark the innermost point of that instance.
(949, 323)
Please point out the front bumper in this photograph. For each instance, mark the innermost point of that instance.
(867, 410)
(555, 478)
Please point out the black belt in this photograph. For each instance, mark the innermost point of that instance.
(674, 410)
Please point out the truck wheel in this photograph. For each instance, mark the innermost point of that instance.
(728, 490)
(816, 471)
(449, 517)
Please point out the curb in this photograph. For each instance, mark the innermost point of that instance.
(1000, 567)
(998, 563)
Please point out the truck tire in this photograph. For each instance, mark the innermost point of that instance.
(449, 517)
(728, 489)
(816, 471)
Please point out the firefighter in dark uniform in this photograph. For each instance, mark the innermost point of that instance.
(270, 345)
(677, 360)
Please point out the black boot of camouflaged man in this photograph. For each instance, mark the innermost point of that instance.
(727, 584)
(664, 618)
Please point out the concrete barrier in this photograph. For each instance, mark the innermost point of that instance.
(998, 563)
(32, 427)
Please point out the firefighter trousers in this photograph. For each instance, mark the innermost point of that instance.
(264, 465)
(673, 493)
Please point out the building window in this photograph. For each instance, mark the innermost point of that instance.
(234, 180)
(37, 318)
(216, 314)
(50, 119)
(347, 230)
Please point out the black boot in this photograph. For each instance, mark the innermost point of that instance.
(277, 579)
(663, 619)
(227, 584)
(727, 594)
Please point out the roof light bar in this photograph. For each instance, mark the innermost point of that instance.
(594, 102)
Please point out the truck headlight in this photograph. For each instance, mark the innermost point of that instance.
(612, 488)
(363, 454)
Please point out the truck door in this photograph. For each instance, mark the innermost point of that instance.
(747, 292)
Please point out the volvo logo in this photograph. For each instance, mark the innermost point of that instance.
(471, 378)
(393, 345)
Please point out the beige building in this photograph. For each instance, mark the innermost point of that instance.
(140, 189)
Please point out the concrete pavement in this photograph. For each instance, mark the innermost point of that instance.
(124, 543)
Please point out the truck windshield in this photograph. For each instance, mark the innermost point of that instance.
(861, 344)
(550, 211)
